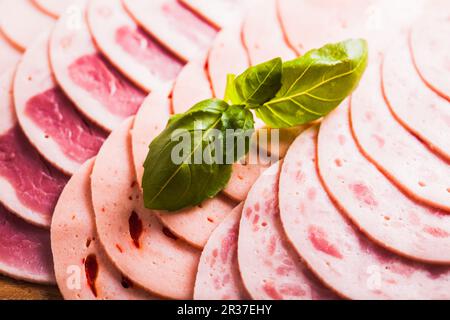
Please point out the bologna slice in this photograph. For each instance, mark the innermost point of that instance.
(134, 239)
(9, 55)
(54, 8)
(137, 55)
(270, 268)
(372, 202)
(263, 36)
(335, 250)
(418, 109)
(98, 90)
(218, 276)
(397, 153)
(21, 21)
(48, 118)
(179, 29)
(83, 271)
(29, 186)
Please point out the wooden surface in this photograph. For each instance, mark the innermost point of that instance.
(17, 290)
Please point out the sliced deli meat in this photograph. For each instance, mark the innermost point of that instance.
(49, 119)
(98, 90)
(270, 267)
(77, 251)
(29, 186)
(336, 250)
(401, 156)
(218, 276)
(21, 21)
(137, 243)
(415, 106)
(130, 49)
(54, 8)
(175, 26)
(373, 202)
(9, 55)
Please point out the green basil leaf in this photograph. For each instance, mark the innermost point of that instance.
(315, 84)
(257, 84)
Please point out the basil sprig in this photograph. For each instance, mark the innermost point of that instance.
(283, 95)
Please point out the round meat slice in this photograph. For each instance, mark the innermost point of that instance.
(372, 202)
(263, 36)
(49, 119)
(98, 90)
(137, 55)
(175, 26)
(54, 8)
(134, 239)
(416, 107)
(270, 267)
(397, 153)
(218, 276)
(21, 21)
(83, 271)
(335, 250)
(9, 54)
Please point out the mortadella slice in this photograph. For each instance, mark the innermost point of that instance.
(372, 202)
(9, 55)
(134, 239)
(49, 119)
(98, 90)
(83, 270)
(270, 267)
(175, 26)
(136, 54)
(336, 251)
(21, 21)
(54, 8)
(29, 186)
(218, 276)
(415, 106)
(398, 154)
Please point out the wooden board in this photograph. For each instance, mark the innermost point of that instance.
(18, 290)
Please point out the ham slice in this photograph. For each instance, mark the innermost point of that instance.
(372, 202)
(270, 268)
(54, 8)
(137, 55)
(415, 106)
(9, 54)
(98, 90)
(48, 118)
(218, 276)
(83, 271)
(404, 159)
(134, 239)
(180, 30)
(337, 251)
(14, 14)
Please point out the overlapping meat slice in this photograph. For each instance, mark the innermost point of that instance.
(98, 90)
(48, 118)
(218, 276)
(54, 8)
(179, 29)
(336, 250)
(21, 21)
(270, 268)
(30, 187)
(372, 202)
(134, 239)
(137, 55)
(415, 106)
(397, 153)
(83, 270)
(9, 54)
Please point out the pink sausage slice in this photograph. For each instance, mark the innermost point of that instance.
(48, 118)
(98, 90)
(180, 30)
(270, 268)
(83, 271)
(415, 106)
(372, 202)
(9, 54)
(218, 276)
(134, 239)
(335, 250)
(137, 55)
(54, 8)
(397, 153)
